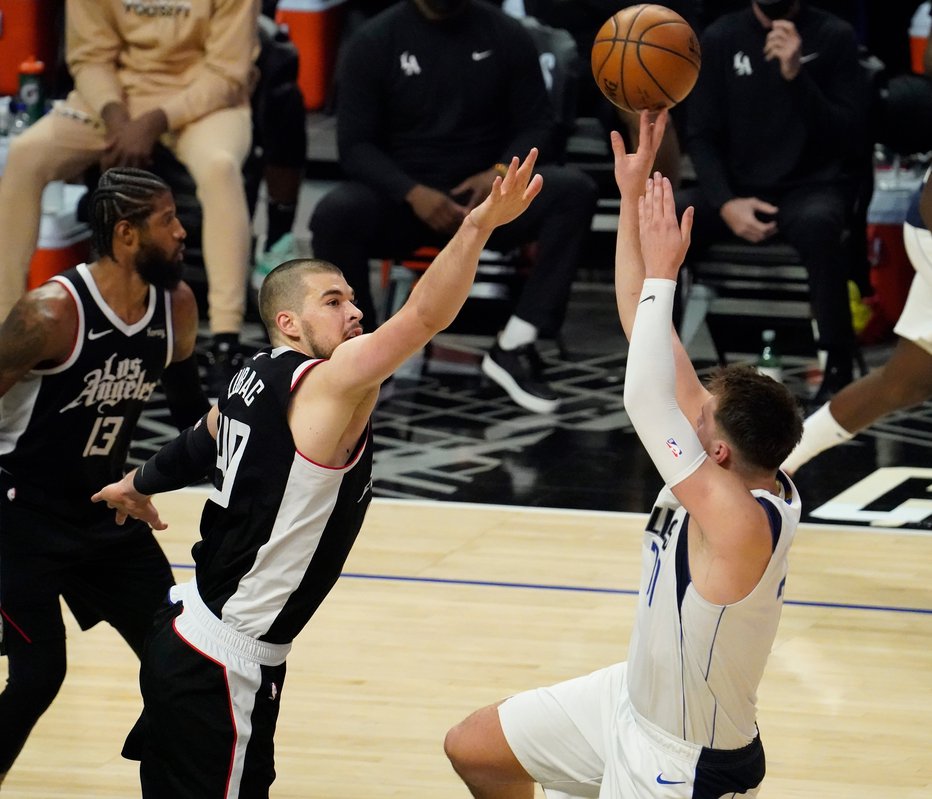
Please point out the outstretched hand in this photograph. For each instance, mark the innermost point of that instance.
(127, 501)
(510, 196)
(664, 241)
(633, 169)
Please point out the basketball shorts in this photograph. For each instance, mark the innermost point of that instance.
(915, 322)
(582, 738)
(211, 698)
(105, 573)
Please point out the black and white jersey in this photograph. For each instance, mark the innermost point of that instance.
(277, 527)
(65, 430)
(694, 666)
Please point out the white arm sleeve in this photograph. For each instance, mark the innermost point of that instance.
(650, 387)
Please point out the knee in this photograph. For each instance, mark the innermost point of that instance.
(573, 186)
(35, 687)
(349, 209)
(457, 748)
(220, 171)
(477, 749)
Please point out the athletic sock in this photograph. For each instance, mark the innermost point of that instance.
(821, 431)
(516, 334)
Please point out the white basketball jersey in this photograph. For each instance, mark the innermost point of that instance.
(694, 667)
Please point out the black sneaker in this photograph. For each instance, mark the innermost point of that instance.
(224, 360)
(519, 373)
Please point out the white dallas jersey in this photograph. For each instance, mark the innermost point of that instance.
(693, 666)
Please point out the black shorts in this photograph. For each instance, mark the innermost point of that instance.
(206, 725)
(104, 572)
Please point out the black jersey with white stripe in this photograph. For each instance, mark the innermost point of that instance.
(65, 430)
(277, 527)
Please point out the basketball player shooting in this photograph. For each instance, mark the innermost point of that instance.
(678, 718)
(292, 446)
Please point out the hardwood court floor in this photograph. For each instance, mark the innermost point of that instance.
(445, 607)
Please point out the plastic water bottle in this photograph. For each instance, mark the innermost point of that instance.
(31, 88)
(769, 363)
(19, 118)
(5, 120)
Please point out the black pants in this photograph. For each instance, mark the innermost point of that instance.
(119, 575)
(813, 220)
(354, 223)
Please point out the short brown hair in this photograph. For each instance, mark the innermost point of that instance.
(283, 287)
(759, 416)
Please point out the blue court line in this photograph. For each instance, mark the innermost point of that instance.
(582, 589)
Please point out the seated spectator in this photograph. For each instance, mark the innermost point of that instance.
(773, 123)
(181, 77)
(280, 133)
(906, 378)
(431, 96)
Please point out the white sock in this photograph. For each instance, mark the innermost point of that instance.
(820, 432)
(516, 334)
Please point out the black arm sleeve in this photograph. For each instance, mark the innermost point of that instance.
(181, 462)
(187, 401)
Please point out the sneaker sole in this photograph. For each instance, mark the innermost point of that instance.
(527, 401)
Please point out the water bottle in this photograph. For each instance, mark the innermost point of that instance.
(5, 120)
(31, 89)
(769, 362)
(19, 118)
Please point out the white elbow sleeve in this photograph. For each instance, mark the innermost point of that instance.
(650, 387)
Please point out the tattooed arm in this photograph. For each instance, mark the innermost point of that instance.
(40, 329)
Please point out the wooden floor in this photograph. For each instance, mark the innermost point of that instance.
(448, 607)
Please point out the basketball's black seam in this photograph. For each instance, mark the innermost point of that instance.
(621, 71)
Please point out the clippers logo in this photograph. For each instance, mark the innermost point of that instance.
(742, 64)
(158, 8)
(409, 64)
(116, 381)
(675, 449)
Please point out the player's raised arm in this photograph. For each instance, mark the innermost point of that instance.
(631, 174)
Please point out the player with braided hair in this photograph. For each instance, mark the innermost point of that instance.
(79, 358)
(179, 78)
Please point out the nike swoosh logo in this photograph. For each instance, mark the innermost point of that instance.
(649, 298)
(480, 56)
(93, 335)
(808, 57)
(662, 781)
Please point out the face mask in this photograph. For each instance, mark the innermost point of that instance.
(777, 10)
(444, 8)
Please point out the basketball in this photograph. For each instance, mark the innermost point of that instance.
(645, 57)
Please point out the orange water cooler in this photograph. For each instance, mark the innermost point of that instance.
(314, 26)
(27, 28)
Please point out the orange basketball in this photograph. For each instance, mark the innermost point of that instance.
(646, 57)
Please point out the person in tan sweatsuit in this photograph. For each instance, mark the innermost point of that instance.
(175, 71)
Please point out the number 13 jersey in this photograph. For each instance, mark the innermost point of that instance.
(65, 429)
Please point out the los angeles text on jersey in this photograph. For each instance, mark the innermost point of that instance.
(247, 384)
(117, 380)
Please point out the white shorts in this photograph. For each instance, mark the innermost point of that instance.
(915, 322)
(582, 738)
